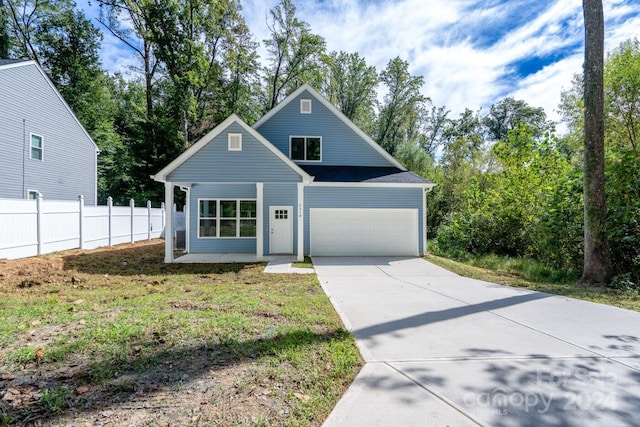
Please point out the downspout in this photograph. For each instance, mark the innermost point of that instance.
(24, 150)
(424, 216)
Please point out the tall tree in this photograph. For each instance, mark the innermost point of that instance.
(509, 114)
(294, 53)
(401, 105)
(351, 86)
(597, 263)
(135, 35)
(622, 95)
(203, 45)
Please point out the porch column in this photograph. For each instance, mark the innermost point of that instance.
(168, 228)
(300, 222)
(259, 221)
(187, 221)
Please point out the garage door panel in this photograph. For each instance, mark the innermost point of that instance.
(363, 232)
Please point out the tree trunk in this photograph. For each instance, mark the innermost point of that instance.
(597, 265)
(148, 79)
(4, 31)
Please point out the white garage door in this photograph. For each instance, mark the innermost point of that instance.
(364, 232)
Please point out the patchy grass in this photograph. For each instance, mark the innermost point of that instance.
(116, 335)
(520, 273)
(307, 263)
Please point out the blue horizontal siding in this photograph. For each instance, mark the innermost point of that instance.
(218, 191)
(340, 144)
(215, 163)
(365, 198)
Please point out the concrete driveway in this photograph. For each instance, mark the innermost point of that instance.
(441, 350)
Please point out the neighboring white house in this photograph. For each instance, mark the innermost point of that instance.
(43, 147)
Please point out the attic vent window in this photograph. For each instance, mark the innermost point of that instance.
(305, 106)
(235, 142)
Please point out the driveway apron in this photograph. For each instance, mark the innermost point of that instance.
(441, 349)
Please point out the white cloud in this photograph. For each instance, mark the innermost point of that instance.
(443, 41)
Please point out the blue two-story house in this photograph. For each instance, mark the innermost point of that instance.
(303, 180)
(44, 150)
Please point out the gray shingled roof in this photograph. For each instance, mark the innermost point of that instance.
(389, 175)
(11, 61)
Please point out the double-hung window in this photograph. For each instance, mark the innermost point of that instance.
(226, 218)
(306, 148)
(36, 147)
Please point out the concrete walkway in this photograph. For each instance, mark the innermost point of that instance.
(443, 350)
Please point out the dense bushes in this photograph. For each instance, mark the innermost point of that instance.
(526, 200)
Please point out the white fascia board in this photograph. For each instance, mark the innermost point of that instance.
(191, 184)
(337, 113)
(17, 64)
(370, 184)
(162, 175)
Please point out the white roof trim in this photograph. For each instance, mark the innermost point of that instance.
(18, 64)
(162, 175)
(370, 184)
(335, 111)
(46, 78)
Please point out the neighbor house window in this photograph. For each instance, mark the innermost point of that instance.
(235, 142)
(306, 148)
(226, 218)
(32, 194)
(36, 147)
(305, 106)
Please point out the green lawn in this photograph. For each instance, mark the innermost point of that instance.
(126, 338)
(507, 274)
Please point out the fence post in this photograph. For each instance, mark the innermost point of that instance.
(149, 226)
(81, 221)
(39, 223)
(132, 205)
(110, 206)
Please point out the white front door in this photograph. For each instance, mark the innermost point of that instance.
(281, 229)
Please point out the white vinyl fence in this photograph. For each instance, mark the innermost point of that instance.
(35, 227)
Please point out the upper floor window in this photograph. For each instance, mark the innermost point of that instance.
(306, 148)
(235, 142)
(36, 147)
(305, 106)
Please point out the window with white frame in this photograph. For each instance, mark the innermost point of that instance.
(36, 147)
(306, 148)
(305, 106)
(33, 194)
(235, 142)
(226, 218)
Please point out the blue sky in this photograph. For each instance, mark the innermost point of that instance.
(471, 53)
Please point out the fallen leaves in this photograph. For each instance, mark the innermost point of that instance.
(7, 377)
(39, 354)
(18, 396)
(82, 389)
(302, 396)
